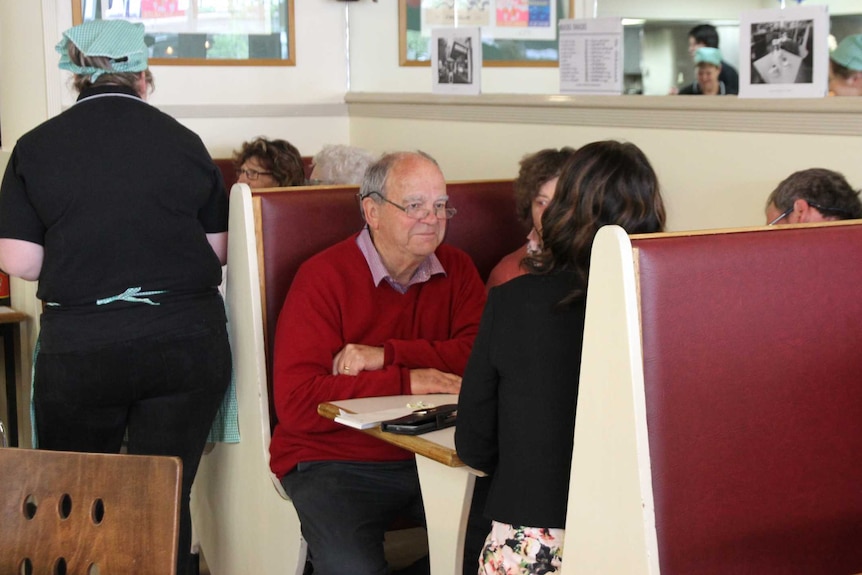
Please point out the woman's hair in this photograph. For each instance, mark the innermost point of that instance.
(277, 156)
(338, 164)
(536, 169)
(842, 71)
(604, 183)
(127, 79)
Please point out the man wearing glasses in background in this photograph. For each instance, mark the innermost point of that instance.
(813, 195)
(387, 311)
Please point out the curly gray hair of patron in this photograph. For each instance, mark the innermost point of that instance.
(340, 164)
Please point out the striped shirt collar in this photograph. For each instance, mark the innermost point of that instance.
(429, 267)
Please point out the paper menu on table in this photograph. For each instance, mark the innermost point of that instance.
(371, 418)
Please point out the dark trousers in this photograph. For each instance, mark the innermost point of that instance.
(164, 391)
(346, 507)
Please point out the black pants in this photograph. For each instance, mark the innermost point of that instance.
(345, 508)
(163, 390)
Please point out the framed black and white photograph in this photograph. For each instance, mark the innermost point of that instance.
(456, 60)
(788, 53)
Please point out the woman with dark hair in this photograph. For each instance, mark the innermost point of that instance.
(534, 190)
(516, 410)
(263, 163)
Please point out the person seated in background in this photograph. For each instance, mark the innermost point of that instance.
(263, 163)
(708, 64)
(706, 36)
(534, 190)
(845, 67)
(339, 164)
(516, 411)
(390, 310)
(813, 195)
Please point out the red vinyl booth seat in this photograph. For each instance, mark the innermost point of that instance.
(244, 520)
(296, 223)
(753, 386)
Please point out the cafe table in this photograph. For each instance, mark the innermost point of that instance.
(447, 484)
(778, 67)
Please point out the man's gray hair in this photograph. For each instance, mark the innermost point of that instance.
(375, 176)
(826, 190)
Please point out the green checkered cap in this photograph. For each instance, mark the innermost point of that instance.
(849, 52)
(119, 40)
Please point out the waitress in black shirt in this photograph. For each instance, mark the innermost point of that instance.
(121, 215)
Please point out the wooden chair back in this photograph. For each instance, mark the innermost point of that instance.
(88, 513)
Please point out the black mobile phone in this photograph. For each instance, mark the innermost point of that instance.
(423, 420)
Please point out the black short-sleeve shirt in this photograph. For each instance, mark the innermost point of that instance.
(120, 195)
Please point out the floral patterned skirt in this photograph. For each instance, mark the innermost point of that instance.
(516, 550)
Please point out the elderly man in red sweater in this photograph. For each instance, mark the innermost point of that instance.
(388, 311)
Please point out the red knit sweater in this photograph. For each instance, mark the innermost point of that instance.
(508, 268)
(332, 302)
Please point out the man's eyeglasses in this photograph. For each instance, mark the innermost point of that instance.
(789, 210)
(251, 174)
(419, 211)
(783, 215)
(841, 211)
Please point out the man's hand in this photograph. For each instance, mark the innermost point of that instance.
(432, 380)
(354, 358)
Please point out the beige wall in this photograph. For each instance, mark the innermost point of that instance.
(24, 102)
(709, 180)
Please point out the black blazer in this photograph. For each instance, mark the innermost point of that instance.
(516, 410)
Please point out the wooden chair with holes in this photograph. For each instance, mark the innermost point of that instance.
(68, 513)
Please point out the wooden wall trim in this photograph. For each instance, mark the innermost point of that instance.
(824, 116)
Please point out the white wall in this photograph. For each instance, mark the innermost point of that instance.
(658, 63)
(24, 102)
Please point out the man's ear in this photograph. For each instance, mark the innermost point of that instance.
(371, 211)
(805, 213)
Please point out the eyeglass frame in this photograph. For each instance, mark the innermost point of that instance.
(829, 209)
(789, 210)
(783, 215)
(448, 211)
(252, 175)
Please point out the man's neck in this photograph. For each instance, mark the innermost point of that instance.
(399, 267)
